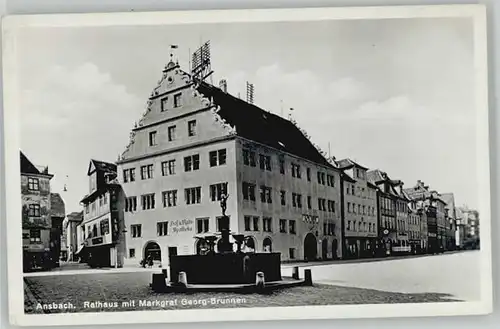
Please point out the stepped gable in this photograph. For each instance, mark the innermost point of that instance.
(256, 124)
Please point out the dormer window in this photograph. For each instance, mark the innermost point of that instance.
(152, 138)
(192, 128)
(177, 100)
(164, 104)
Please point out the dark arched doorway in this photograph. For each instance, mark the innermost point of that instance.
(152, 248)
(267, 245)
(324, 249)
(310, 249)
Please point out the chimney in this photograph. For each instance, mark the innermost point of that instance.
(223, 85)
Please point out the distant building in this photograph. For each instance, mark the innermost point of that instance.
(460, 233)
(102, 227)
(435, 208)
(403, 213)
(360, 211)
(471, 225)
(195, 143)
(387, 199)
(72, 224)
(451, 220)
(57, 215)
(41, 217)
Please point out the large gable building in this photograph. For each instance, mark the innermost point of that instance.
(194, 143)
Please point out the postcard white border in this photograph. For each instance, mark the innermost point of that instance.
(11, 24)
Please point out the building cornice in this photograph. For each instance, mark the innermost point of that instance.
(49, 176)
(180, 116)
(177, 149)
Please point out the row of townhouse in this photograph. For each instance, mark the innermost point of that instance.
(196, 142)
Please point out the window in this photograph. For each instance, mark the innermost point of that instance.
(331, 205)
(217, 190)
(248, 191)
(349, 225)
(282, 164)
(171, 133)
(170, 198)
(148, 201)
(130, 204)
(131, 253)
(202, 225)
(162, 228)
(168, 168)
(34, 210)
(129, 175)
(265, 194)
(348, 207)
(255, 223)
(249, 158)
(267, 224)
(136, 230)
(191, 128)
(296, 170)
(164, 104)
(352, 189)
(322, 204)
(217, 158)
(283, 197)
(104, 226)
(309, 202)
(177, 100)
(291, 251)
(152, 138)
(296, 200)
(33, 184)
(100, 200)
(291, 226)
(331, 180)
(364, 210)
(93, 206)
(193, 195)
(308, 174)
(248, 221)
(35, 235)
(105, 199)
(359, 209)
(321, 178)
(282, 225)
(265, 162)
(87, 209)
(147, 172)
(192, 162)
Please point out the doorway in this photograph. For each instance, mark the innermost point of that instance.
(310, 249)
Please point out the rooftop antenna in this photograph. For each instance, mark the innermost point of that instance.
(65, 188)
(250, 90)
(201, 63)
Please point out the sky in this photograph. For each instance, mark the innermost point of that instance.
(392, 94)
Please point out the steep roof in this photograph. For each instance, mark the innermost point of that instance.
(348, 163)
(27, 167)
(375, 176)
(75, 216)
(102, 166)
(253, 123)
(57, 207)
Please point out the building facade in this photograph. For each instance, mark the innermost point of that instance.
(450, 221)
(360, 211)
(41, 244)
(387, 197)
(72, 224)
(102, 230)
(435, 211)
(196, 143)
(402, 219)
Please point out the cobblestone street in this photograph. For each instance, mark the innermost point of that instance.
(414, 280)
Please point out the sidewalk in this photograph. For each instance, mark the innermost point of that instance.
(62, 271)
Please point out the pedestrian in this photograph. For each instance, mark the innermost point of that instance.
(150, 261)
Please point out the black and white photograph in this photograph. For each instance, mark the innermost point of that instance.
(266, 164)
